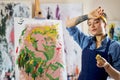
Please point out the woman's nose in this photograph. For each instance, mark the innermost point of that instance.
(92, 25)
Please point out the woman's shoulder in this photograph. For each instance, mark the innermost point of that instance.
(115, 43)
(114, 49)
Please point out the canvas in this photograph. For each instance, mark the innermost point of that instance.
(39, 50)
(9, 10)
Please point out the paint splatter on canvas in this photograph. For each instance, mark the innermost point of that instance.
(40, 50)
(9, 10)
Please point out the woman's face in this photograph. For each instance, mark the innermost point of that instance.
(96, 27)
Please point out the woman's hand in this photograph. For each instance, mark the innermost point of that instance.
(96, 13)
(114, 73)
(76, 20)
(101, 62)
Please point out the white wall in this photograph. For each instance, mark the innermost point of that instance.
(111, 8)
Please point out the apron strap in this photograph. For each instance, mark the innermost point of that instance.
(108, 44)
(106, 51)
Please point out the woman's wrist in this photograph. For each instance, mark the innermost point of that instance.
(89, 16)
(106, 65)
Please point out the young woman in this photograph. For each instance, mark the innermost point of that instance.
(99, 43)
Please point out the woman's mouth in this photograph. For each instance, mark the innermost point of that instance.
(94, 30)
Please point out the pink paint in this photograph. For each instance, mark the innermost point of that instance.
(58, 49)
(12, 36)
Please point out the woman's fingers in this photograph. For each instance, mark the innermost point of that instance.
(99, 11)
(100, 61)
(96, 13)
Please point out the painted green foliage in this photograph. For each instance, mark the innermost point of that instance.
(34, 65)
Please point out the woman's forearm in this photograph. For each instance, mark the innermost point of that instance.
(81, 19)
(112, 72)
(75, 21)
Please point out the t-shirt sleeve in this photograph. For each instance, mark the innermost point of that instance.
(79, 36)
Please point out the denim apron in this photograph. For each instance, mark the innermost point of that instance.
(89, 70)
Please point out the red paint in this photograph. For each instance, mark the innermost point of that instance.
(77, 70)
(58, 48)
(17, 50)
(36, 67)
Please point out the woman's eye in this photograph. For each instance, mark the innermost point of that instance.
(96, 22)
(89, 24)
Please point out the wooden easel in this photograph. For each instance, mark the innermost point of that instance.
(38, 12)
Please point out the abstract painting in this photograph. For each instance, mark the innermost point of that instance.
(60, 11)
(39, 50)
(114, 30)
(9, 10)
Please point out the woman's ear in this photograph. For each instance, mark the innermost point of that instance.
(105, 25)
